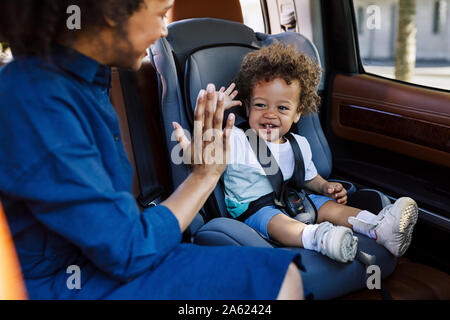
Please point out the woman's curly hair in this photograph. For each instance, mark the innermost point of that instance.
(33, 26)
(285, 62)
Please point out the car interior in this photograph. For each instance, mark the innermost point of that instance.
(381, 138)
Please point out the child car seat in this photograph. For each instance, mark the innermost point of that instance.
(205, 50)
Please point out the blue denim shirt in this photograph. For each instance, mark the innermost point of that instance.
(65, 180)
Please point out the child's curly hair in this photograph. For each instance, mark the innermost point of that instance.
(280, 61)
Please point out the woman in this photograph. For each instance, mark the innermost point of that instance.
(65, 180)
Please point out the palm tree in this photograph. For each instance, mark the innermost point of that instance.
(405, 55)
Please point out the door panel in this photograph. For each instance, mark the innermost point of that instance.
(410, 120)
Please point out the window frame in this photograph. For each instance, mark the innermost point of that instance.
(361, 64)
(265, 13)
(263, 8)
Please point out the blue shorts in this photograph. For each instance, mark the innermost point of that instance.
(260, 219)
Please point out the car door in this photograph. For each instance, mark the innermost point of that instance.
(385, 131)
(388, 130)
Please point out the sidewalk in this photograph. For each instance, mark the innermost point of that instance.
(438, 76)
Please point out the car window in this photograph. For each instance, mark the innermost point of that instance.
(407, 40)
(253, 16)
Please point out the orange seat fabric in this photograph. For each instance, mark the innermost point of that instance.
(12, 286)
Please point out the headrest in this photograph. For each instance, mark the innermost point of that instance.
(302, 43)
(218, 65)
(188, 35)
(208, 50)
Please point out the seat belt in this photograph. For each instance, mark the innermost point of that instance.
(299, 169)
(298, 178)
(276, 180)
(151, 190)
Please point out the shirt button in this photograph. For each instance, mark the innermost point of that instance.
(116, 137)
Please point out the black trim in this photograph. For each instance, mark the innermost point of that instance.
(299, 169)
(356, 40)
(151, 190)
(338, 37)
(265, 14)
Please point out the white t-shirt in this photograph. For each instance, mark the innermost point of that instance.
(245, 180)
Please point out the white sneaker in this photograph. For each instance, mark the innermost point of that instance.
(336, 242)
(394, 225)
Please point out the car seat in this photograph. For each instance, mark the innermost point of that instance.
(205, 50)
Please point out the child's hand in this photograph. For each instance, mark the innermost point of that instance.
(229, 97)
(336, 191)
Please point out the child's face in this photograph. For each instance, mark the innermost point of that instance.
(273, 109)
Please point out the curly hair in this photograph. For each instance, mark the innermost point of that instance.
(285, 62)
(33, 26)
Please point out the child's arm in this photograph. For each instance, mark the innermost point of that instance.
(229, 97)
(334, 190)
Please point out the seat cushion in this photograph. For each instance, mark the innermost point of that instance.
(229, 232)
(328, 279)
(324, 278)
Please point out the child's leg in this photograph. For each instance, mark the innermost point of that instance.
(337, 214)
(392, 227)
(275, 225)
(337, 243)
(286, 230)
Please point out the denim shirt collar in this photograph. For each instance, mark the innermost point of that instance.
(81, 66)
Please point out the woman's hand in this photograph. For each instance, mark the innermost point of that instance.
(208, 150)
(336, 191)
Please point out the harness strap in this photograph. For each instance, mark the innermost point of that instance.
(264, 201)
(261, 149)
(298, 177)
(279, 197)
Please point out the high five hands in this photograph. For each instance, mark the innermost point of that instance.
(208, 148)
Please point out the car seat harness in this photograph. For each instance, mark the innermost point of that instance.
(288, 196)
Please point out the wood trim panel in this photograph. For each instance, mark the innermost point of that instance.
(406, 119)
(219, 9)
(436, 136)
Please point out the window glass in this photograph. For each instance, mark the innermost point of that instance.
(407, 40)
(316, 24)
(253, 16)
